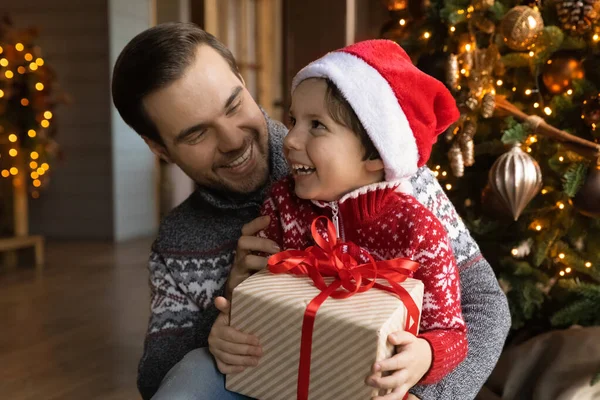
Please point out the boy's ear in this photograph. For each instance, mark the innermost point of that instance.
(375, 165)
(158, 149)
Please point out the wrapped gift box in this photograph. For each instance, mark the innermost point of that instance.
(349, 336)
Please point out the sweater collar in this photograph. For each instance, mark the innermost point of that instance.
(277, 166)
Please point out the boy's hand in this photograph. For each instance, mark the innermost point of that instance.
(408, 366)
(232, 349)
(246, 263)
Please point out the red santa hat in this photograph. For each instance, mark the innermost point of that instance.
(402, 109)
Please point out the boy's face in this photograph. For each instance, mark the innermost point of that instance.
(326, 158)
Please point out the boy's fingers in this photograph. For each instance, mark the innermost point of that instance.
(397, 394)
(255, 244)
(388, 382)
(393, 363)
(256, 225)
(401, 338)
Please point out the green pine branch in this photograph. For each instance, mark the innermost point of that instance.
(574, 178)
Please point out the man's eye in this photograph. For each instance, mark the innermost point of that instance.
(315, 124)
(234, 108)
(195, 138)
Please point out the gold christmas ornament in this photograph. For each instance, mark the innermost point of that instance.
(452, 71)
(558, 73)
(456, 161)
(578, 16)
(587, 200)
(488, 104)
(515, 178)
(472, 103)
(467, 146)
(520, 26)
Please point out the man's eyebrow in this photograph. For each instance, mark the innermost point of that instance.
(184, 134)
(233, 96)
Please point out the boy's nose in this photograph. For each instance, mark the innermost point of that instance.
(293, 140)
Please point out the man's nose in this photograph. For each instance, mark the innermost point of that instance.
(231, 138)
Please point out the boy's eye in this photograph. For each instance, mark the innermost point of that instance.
(315, 124)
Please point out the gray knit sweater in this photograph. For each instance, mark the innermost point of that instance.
(192, 256)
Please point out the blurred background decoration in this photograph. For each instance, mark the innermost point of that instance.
(522, 165)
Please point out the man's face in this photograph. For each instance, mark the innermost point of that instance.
(211, 127)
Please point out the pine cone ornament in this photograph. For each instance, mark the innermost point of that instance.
(578, 16)
(488, 105)
(456, 161)
(466, 144)
(452, 71)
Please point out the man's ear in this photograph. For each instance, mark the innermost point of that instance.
(375, 165)
(158, 149)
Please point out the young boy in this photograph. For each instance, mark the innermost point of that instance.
(363, 120)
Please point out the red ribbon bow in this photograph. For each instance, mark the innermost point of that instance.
(330, 258)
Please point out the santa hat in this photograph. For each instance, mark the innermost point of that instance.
(402, 109)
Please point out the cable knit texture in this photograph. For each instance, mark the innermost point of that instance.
(195, 247)
(388, 225)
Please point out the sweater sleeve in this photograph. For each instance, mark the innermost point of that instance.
(484, 306)
(274, 231)
(176, 326)
(442, 324)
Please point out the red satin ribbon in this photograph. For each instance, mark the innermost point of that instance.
(329, 259)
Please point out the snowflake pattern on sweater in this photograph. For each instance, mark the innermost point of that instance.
(388, 224)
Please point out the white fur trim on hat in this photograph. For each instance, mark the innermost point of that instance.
(375, 104)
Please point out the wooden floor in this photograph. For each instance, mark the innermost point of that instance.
(74, 331)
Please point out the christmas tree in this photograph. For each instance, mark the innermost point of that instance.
(522, 165)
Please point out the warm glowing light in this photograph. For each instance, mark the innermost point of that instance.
(461, 12)
(468, 47)
(561, 159)
(402, 22)
(514, 89)
(13, 152)
(19, 47)
(1, 49)
(444, 173)
(39, 61)
(33, 66)
(34, 175)
(570, 92)
(596, 37)
(438, 167)
(536, 105)
(12, 138)
(24, 102)
(548, 110)
(560, 205)
(531, 54)
(45, 166)
(529, 149)
(452, 29)
(561, 256)
(9, 74)
(5, 173)
(562, 273)
(14, 171)
(31, 133)
(427, 35)
(34, 155)
(37, 183)
(448, 186)
(528, 92)
(470, 9)
(39, 86)
(544, 191)
(45, 123)
(436, 173)
(568, 270)
(538, 228)
(587, 264)
(33, 165)
(21, 70)
(1, 94)
(35, 194)
(514, 252)
(4, 62)
(41, 171)
(532, 22)
(28, 57)
(463, 71)
(499, 82)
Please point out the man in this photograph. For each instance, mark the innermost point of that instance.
(180, 89)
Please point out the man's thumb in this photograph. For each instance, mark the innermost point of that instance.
(222, 305)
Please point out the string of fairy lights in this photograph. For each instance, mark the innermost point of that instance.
(20, 69)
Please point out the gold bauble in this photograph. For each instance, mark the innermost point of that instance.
(520, 26)
(558, 73)
(515, 178)
(456, 161)
(587, 200)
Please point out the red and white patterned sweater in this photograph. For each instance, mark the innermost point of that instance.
(387, 224)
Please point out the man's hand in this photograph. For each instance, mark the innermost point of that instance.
(246, 263)
(407, 367)
(232, 349)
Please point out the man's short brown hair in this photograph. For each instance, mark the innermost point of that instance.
(340, 110)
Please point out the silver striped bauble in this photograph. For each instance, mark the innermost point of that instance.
(515, 179)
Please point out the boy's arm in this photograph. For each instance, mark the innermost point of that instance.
(484, 306)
